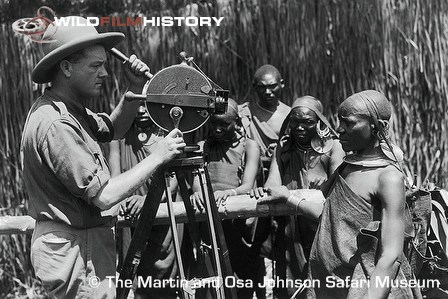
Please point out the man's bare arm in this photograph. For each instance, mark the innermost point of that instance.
(124, 113)
(251, 167)
(274, 191)
(122, 186)
(392, 196)
(274, 178)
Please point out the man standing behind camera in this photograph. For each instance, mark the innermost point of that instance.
(263, 117)
(65, 174)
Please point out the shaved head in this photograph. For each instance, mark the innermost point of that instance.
(268, 85)
(364, 124)
(264, 70)
(223, 126)
(232, 108)
(359, 102)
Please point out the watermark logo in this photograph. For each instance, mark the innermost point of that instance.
(35, 27)
(141, 21)
(45, 16)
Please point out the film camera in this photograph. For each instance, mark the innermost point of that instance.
(181, 96)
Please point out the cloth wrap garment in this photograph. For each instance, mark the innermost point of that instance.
(298, 167)
(257, 130)
(346, 245)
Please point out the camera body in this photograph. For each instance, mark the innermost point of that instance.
(182, 97)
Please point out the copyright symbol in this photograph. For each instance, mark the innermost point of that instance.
(94, 281)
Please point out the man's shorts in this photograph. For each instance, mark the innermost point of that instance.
(74, 263)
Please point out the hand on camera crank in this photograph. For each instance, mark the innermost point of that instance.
(135, 70)
(169, 147)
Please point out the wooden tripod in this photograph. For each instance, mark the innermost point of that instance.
(218, 268)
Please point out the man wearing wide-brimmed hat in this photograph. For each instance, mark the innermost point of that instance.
(65, 174)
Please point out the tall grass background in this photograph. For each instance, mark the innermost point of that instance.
(329, 49)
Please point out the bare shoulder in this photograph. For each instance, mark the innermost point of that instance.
(337, 155)
(390, 175)
(337, 148)
(391, 184)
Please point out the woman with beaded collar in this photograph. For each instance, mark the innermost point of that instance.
(307, 154)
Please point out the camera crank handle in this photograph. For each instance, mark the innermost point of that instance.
(130, 96)
(176, 114)
(118, 54)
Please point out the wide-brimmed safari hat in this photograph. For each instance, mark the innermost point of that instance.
(72, 35)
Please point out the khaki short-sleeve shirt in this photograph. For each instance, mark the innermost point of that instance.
(63, 165)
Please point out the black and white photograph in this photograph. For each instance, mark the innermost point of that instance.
(224, 149)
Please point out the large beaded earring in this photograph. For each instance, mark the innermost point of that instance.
(322, 143)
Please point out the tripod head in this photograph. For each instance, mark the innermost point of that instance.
(182, 96)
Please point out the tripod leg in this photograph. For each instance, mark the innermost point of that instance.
(175, 236)
(225, 257)
(203, 266)
(140, 236)
(192, 223)
(220, 252)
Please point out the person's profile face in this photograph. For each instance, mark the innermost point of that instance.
(222, 127)
(355, 131)
(302, 123)
(268, 89)
(89, 72)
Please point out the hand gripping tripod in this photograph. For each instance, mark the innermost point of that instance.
(186, 103)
